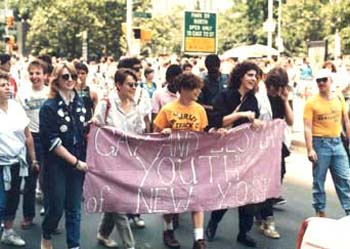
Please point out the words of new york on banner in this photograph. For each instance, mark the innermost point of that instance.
(184, 171)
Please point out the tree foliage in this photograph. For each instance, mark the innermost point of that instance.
(56, 25)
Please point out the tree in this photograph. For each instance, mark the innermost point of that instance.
(55, 30)
(301, 22)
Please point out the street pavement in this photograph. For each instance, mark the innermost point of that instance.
(296, 189)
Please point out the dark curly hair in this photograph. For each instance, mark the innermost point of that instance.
(239, 71)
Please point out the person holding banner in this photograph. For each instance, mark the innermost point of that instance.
(123, 112)
(237, 105)
(62, 132)
(184, 114)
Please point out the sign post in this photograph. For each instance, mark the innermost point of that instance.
(200, 35)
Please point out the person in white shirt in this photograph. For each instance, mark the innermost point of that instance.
(15, 140)
(31, 99)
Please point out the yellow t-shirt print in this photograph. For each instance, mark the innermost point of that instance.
(326, 115)
(179, 117)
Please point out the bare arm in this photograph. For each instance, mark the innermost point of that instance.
(30, 144)
(234, 116)
(94, 98)
(289, 113)
(346, 124)
(147, 123)
(62, 152)
(308, 140)
(287, 108)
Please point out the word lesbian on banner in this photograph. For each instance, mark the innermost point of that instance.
(184, 171)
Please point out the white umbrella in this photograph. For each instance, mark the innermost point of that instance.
(249, 51)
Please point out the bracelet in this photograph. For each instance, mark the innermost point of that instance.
(34, 162)
(76, 163)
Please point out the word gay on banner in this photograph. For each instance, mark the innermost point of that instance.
(185, 171)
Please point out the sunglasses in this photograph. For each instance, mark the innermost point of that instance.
(130, 84)
(67, 76)
(322, 80)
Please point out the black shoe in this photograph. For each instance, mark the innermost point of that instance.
(210, 231)
(280, 201)
(170, 240)
(246, 240)
(199, 244)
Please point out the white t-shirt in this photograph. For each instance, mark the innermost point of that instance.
(32, 100)
(12, 137)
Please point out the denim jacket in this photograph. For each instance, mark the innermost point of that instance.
(63, 125)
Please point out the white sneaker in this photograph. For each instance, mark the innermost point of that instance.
(106, 241)
(138, 221)
(11, 238)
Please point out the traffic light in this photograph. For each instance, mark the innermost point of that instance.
(10, 21)
(146, 35)
(137, 33)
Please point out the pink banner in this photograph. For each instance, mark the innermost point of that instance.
(186, 171)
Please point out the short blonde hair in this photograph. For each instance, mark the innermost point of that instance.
(56, 74)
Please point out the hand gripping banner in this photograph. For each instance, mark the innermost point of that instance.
(185, 171)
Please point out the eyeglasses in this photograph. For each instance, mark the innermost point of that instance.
(67, 76)
(131, 84)
(322, 80)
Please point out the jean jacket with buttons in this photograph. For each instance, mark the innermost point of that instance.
(62, 124)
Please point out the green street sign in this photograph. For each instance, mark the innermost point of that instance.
(200, 35)
(142, 15)
(12, 32)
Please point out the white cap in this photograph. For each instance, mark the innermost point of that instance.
(323, 73)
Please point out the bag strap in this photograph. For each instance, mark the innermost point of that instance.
(240, 104)
(108, 107)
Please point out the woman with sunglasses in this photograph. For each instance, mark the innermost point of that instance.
(121, 111)
(15, 142)
(62, 132)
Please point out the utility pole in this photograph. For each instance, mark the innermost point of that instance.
(6, 14)
(84, 35)
(279, 26)
(270, 22)
(129, 26)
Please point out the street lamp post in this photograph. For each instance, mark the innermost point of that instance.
(279, 27)
(270, 21)
(129, 26)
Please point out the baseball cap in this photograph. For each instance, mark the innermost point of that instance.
(323, 73)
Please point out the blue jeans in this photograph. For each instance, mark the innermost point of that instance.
(64, 186)
(330, 155)
(2, 195)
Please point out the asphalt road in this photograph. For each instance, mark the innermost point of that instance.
(296, 189)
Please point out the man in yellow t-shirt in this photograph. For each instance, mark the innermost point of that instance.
(183, 114)
(324, 115)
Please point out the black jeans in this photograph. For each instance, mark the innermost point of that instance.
(13, 195)
(31, 180)
(246, 217)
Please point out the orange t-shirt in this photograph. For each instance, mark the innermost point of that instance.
(179, 117)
